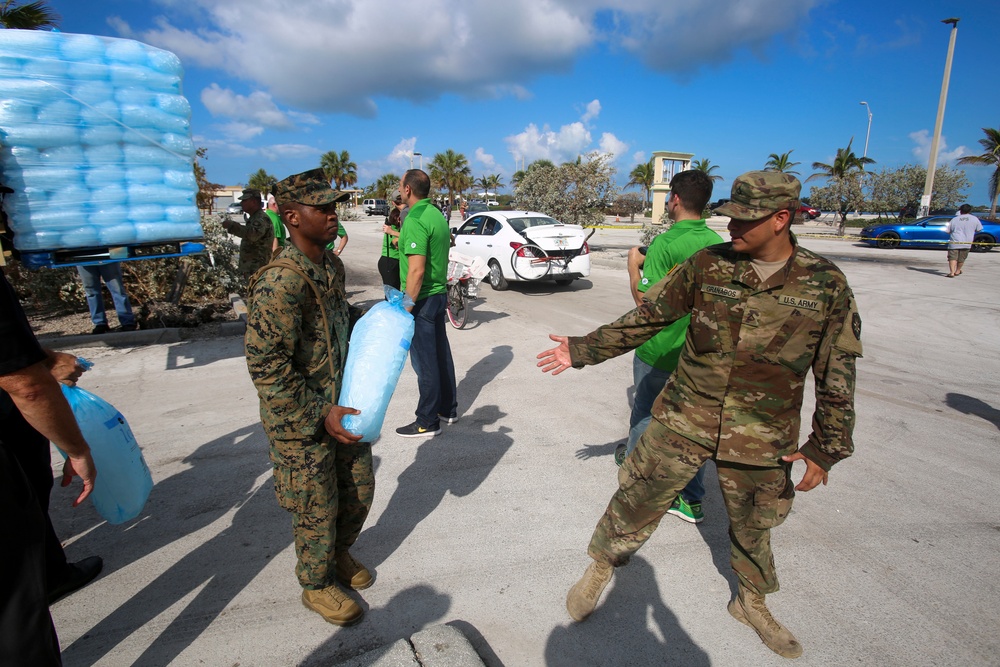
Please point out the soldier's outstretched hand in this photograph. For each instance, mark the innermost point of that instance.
(814, 472)
(336, 429)
(557, 359)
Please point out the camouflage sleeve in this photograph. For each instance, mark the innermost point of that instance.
(274, 326)
(664, 303)
(255, 229)
(831, 439)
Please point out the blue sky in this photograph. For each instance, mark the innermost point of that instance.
(275, 83)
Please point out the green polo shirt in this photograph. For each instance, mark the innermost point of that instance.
(279, 227)
(672, 247)
(425, 233)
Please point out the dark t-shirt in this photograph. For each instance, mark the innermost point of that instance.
(18, 346)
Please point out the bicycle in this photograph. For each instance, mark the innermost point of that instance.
(461, 290)
(531, 262)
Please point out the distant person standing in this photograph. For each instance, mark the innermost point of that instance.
(388, 263)
(424, 242)
(962, 231)
(279, 228)
(111, 273)
(257, 233)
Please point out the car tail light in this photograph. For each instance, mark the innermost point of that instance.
(586, 249)
(523, 250)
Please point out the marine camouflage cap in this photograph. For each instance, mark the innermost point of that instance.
(250, 193)
(310, 187)
(758, 194)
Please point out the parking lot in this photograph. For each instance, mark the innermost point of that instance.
(486, 526)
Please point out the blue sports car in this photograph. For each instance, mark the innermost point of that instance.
(925, 233)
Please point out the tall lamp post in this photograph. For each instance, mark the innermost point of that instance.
(869, 133)
(925, 201)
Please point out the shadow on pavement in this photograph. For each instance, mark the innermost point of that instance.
(181, 356)
(407, 613)
(617, 632)
(222, 478)
(970, 405)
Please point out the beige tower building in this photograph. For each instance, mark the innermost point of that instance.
(665, 165)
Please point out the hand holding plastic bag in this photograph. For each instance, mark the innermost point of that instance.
(123, 481)
(379, 345)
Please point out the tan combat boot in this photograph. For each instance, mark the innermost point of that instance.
(583, 597)
(748, 608)
(334, 605)
(352, 573)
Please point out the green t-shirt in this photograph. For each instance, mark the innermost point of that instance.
(390, 247)
(672, 247)
(425, 233)
(279, 228)
(341, 233)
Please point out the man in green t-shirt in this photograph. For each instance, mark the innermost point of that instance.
(424, 242)
(656, 359)
(279, 228)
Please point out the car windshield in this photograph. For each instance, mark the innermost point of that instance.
(520, 224)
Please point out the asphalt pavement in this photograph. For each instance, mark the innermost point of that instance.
(479, 533)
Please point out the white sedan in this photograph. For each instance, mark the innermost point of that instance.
(525, 246)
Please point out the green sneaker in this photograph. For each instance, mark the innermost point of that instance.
(682, 510)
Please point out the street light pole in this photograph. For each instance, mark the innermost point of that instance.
(419, 155)
(869, 133)
(925, 201)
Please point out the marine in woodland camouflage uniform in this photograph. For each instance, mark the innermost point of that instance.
(295, 355)
(737, 393)
(257, 234)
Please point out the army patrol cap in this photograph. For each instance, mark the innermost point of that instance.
(758, 194)
(250, 193)
(310, 187)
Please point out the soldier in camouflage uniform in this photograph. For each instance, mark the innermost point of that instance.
(296, 344)
(257, 234)
(763, 311)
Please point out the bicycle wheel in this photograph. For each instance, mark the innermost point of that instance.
(530, 262)
(458, 307)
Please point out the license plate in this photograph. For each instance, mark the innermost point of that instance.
(561, 242)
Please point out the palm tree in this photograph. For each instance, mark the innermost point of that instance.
(339, 169)
(642, 176)
(782, 163)
(261, 180)
(447, 171)
(482, 182)
(386, 185)
(707, 167)
(496, 182)
(32, 16)
(844, 163)
(990, 158)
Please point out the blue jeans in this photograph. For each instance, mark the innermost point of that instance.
(91, 276)
(430, 355)
(649, 382)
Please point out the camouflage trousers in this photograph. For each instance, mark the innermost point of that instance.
(328, 487)
(756, 498)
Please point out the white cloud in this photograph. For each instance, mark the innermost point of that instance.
(257, 107)
(236, 130)
(593, 111)
(533, 143)
(639, 157)
(309, 58)
(612, 145)
(922, 150)
(484, 158)
(401, 155)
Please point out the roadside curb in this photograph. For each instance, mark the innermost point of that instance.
(437, 646)
(136, 338)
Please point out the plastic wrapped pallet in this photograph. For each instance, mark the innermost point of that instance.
(95, 141)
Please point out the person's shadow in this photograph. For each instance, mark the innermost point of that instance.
(408, 612)
(617, 633)
(973, 406)
(224, 476)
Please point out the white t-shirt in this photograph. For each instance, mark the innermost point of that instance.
(962, 231)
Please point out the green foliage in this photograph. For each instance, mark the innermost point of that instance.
(642, 176)
(782, 163)
(148, 282)
(339, 169)
(573, 192)
(628, 204)
(385, 187)
(450, 171)
(30, 16)
(989, 158)
(889, 190)
(845, 162)
(261, 180)
(650, 231)
(706, 166)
